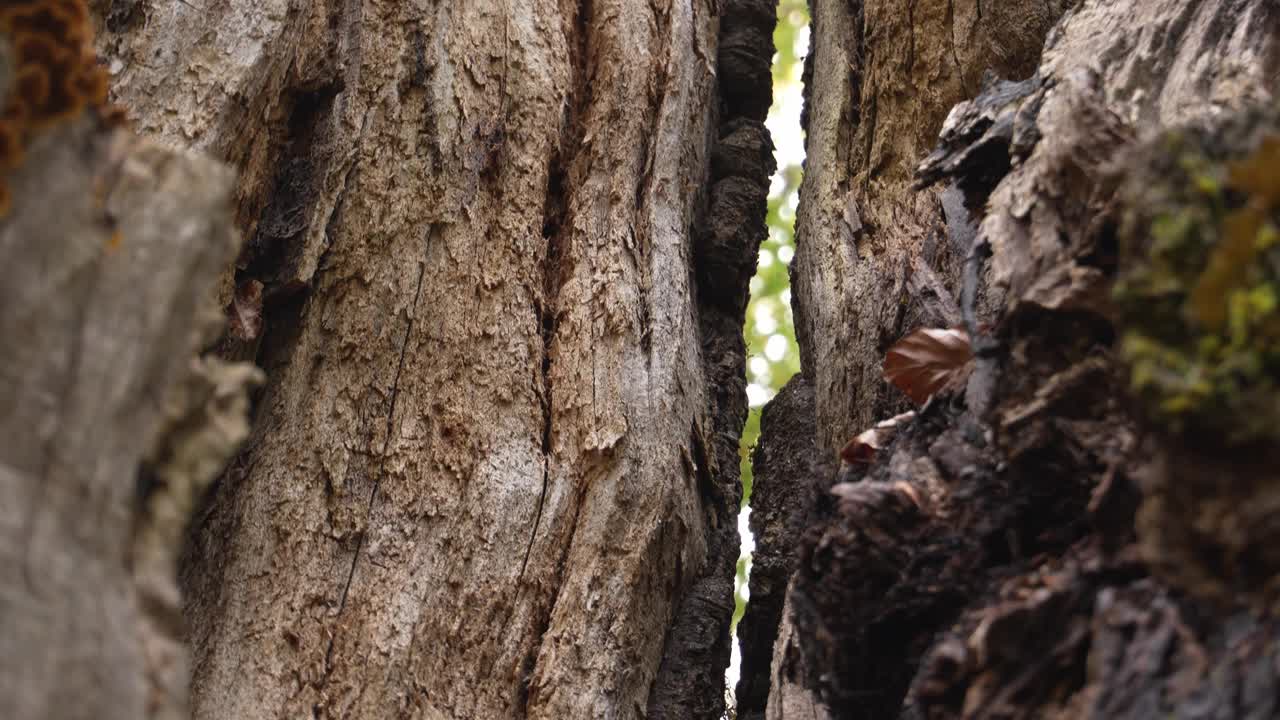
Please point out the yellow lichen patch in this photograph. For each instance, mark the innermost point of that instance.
(1228, 266)
(54, 74)
(1199, 287)
(1243, 232)
(1259, 174)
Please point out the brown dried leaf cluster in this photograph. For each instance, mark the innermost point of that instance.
(921, 364)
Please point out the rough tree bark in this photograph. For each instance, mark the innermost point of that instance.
(1039, 547)
(496, 271)
(871, 252)
(502, 252)
(874, 257)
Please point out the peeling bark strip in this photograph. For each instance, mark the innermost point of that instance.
(488, 463)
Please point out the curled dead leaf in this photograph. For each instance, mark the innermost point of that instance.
(929, 360)
(246, 311)
(862, 449)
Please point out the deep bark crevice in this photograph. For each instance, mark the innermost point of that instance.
(552, 223)
(555, 227)
(295, 189)
(690, 682)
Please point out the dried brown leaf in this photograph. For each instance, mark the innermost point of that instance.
(246, 311)
(929, 360)
(862, 449)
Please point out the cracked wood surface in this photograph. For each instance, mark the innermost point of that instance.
(469, 492)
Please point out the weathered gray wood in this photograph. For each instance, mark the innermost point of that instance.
(110, 252)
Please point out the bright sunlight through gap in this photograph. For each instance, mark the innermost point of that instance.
(773, 356)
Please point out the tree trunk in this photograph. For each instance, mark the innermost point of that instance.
(496, 270)
(875, 257)
(1038, 546)
(502, 251)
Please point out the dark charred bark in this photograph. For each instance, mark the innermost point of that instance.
(690, 682)
(788, 474)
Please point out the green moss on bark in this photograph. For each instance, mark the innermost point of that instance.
(1199, 292)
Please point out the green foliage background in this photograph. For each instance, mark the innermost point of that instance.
(769, 311)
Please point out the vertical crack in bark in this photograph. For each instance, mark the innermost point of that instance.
(911, 37)
(382, 460)
(546, 454)
(552, 224)
(868, 146)
(292, 225)
(951, 44)
(658, 97)
(858, 80)
(555, 221)
(297, 185)
(544, 623)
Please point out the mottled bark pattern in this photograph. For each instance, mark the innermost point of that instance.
(487, 466)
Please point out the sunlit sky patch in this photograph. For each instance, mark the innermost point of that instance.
(773, 355)
(784, 125)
